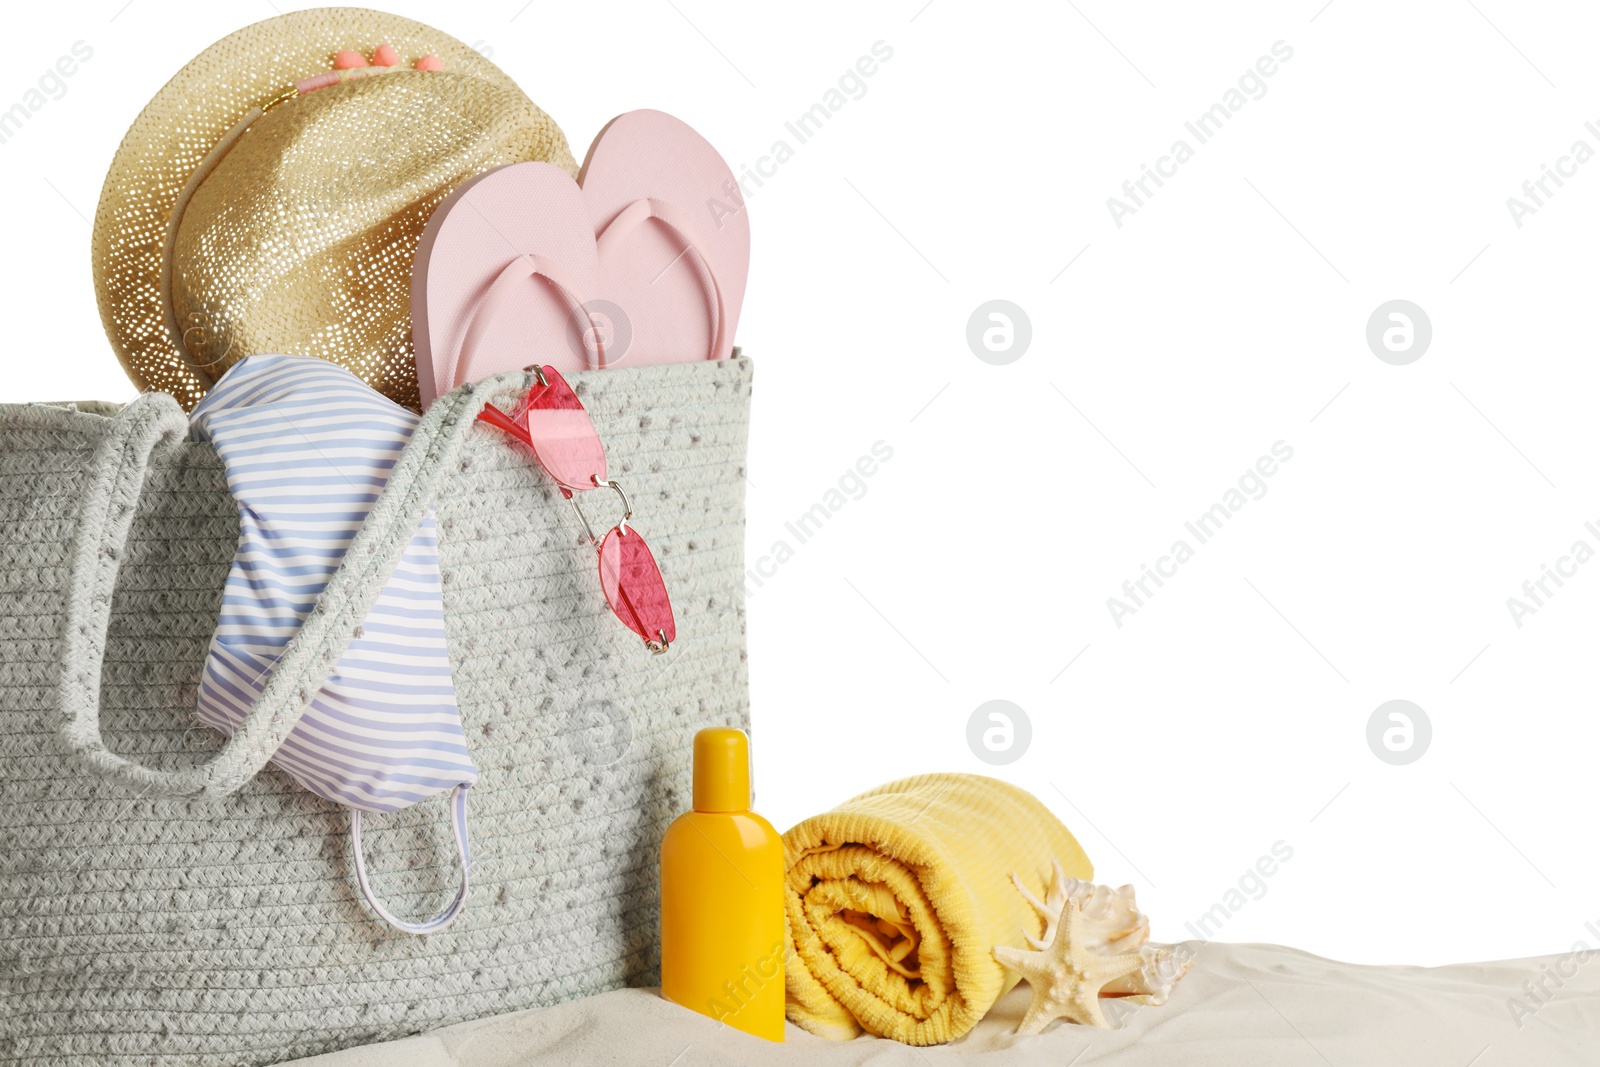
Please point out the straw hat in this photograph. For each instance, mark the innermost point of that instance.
(266, 202)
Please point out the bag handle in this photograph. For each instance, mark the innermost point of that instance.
(110, 499)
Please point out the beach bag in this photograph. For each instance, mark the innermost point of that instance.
(168, 896)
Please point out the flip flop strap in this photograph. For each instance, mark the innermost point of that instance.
(523, 268)
(645, 208)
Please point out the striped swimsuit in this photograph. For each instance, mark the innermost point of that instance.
(308, 447)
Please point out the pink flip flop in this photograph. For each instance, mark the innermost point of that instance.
(673, 237)
(503, 274)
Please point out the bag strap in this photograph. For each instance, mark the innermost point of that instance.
(110, 499)
(458, 822)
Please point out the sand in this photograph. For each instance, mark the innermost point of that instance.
(1242, 1006)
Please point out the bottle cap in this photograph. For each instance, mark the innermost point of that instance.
(721, 770)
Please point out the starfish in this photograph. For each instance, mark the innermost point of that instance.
(1048, 909)
(1066, 977)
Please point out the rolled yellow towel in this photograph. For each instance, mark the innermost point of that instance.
(895, 899)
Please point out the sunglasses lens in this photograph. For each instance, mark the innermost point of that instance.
(633, 586)
(563, 436)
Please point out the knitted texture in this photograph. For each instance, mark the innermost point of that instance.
(165, 896)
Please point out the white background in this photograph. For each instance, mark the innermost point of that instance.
(1227, 314)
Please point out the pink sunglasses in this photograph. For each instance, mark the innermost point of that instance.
(552, 422)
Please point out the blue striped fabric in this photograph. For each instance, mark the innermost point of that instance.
(308, 447)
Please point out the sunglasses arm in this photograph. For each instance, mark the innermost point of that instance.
(501, 421)
(493, 416)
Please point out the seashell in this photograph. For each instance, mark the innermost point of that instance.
(1160, 968)
(1096, 943)
(1112, 921)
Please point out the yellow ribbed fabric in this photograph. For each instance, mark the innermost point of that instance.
(895, 898)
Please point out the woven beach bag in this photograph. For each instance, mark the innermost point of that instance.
(170, 898)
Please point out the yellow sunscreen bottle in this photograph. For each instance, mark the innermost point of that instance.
(722, 940)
